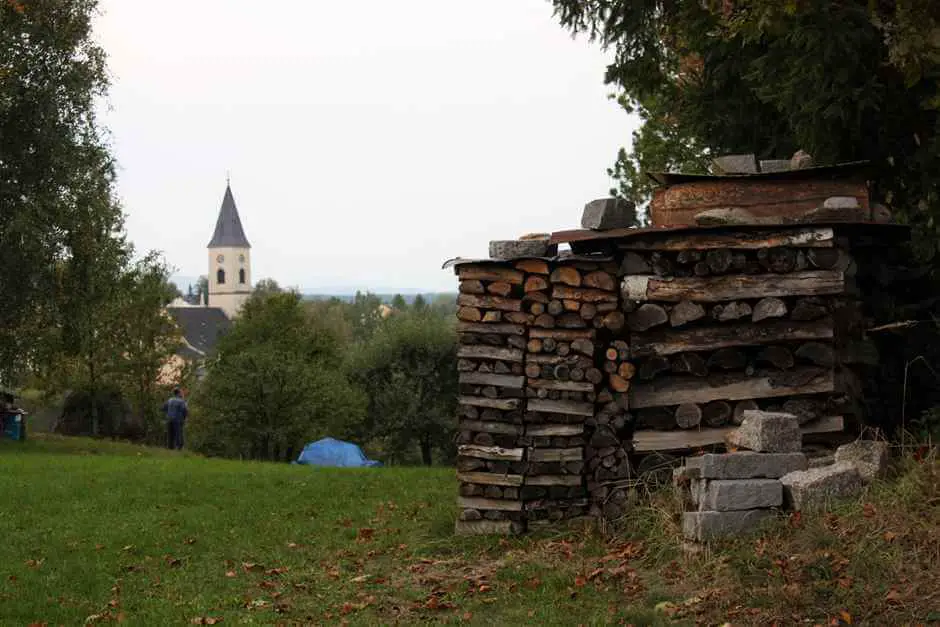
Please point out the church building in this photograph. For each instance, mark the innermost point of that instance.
(229, 260)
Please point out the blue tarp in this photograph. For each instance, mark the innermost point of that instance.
(331, 452)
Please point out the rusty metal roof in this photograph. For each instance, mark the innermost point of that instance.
(461, 261)
(838, 170)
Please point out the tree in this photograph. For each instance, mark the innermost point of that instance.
(399, 303)
(274, 384)
(267, 286)
(408, 370)
(365, 315)
(842, 80)
(202, 290)
(56, 173)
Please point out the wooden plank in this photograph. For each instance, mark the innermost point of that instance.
(506, 404)
(741, 240)
(489, 478)
(584, 295)
(486, 528)
(491, 452)
(490, 352)
(552, 360)
(554, 430)
(497, 380)
(556, 454)
(673, 341)
(498, 328)
(490, 273)
(564, 386)
(564, 335)
(571, 408)
(471, 502)
(733, 287)
(646, 441)
(481, 426)
(550, 480)
(670, 391)
(489, 302)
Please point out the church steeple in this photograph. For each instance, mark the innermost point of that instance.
(228, 228)
(229, 259)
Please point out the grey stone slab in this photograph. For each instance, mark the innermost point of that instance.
(767, 432)
(703, 526)
(736, 164)
(729, 495)
(513, 249)
(750, 465)
(774, 165)
(870, 457)
(608, 213)
(816, 488)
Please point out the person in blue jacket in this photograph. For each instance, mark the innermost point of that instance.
(176, 411)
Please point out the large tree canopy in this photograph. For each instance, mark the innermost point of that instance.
(854, 79)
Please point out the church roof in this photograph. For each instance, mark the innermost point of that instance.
(201, 327)
(228, 228)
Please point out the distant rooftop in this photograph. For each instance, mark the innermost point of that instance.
(201, 326)
(228, 228)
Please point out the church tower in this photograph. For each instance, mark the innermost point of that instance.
(229, 260)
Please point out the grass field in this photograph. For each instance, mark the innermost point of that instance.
(100, 532)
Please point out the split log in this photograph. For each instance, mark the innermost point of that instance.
(600, 280)
(777, 356)
(571, 408)
(469, 314)
(566, 335)
(571, 305)
(689, 363)
(728, 359)
(490, 302)
(490, 352)
(556, 307)
(716, 413)
(686, 257)
(490, 273)
(577, 374)
(570, 320)
(533, 266)
(465, 365)
(583, 294)
(712, 338)
(647, 317)
(626, 370)
(491, 452)
(502, 329)
(498, 380)
(534, 345)
(588, 311)
(778, 260)
(618, 383)
(499, 428)
(583, 346)
(489, 478)
(467, 502)
(536, 297)
(817, 353)
(500, 288)
(594, 375)
(805, 409)
(734, 310)
(674, 390)
(737, 416)
(769, 308)
(645, 441)
(533, 371)
(742, 240)
(566, 275)
(518, 317)
(492, 316)
(685, 312)
(506, 404)
(614, 321)
(566, 386)
(733, 287)
(718, 260)
(635, 264)
(546, 321)
(472, 287)
(688, 416)
(535, 283)
(653, 366)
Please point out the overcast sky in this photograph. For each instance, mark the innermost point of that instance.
(368, 141)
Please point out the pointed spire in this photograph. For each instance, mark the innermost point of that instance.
(228, 228)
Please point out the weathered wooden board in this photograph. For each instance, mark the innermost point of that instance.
(733, 287)
(489, 478)
(490, 352)
(503, 328)
(498, 380)
(506, 404)
(669, 391)
(485, 426)
(673, 341)
(489, 302)
(470, 502)
(554, 430)
(550, 480)
(646, 441)
(564, 335)
(571, 408)
(742, 240)
(556, 454)
(564, 386)
(490, 273)
(491, 452)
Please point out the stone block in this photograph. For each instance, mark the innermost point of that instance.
(749, 465)
(870, 457)
(608, 213)
(703, 526)
(774, 165)
(515, 248)
(767, 432)
(735, 164)
(815, 488)
(729, 495)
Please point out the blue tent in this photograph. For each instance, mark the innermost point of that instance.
(331, 452)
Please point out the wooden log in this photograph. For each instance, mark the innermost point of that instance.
(554, 480)
(536, 297)
(570, 320)
(626, 370)
(779, 260)
(741, 240)
(583, 346)
(614, 321)
(600, 280)
(533, 266)
(817, 353)
(492, 316)
(645, 441)
(807, 309)
(566, 275)
(505, 404)
(533, 370)
(469, 502)
(472, 287)
(770, 307)
(737, 416)
(712, 338)
(490, 352)
(618, 383)
(495, 453)
(490, 273)
(685, 312)
(688, 416)
(489, 478)
(549, 345)
(734, 310)
(555, 307)
(564, 348)
(716, 413)
(653, 366)
(565, 386)
(829, 259)
(536, 309)
(490, 302)
(571, 305)
(518, 317)
(565, 335)
(556, 454)
(482, 426)
(499, 288)
(734, 287)
(534, 345)
(469, 314)
(535, 283)
(701, 269)
(563, 431)
(646, 317)
(465, 365)
(570, 408)
(727, 359)
(594, 375)
(689, 363)
(612, 354)
(500, 329)
(576, 374)
(688, 257)
(546, 321)
(583, 294)
(610, 367)
(718, 260)
(673, 390)
(498, 380)
(588, 311)
(777, 356)
(662, 265)
(634, 263)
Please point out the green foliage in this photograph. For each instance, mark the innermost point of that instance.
(274, 384)
(408, 372)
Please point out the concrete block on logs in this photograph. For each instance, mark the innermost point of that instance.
(608, 213)
(766, 432)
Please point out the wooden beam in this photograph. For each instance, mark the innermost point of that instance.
(506, 404)
(468, 502)
(670, 391)
(491, 327)
(564, 335)
(571, 408)
(491, 452)
(646, 441)
(564, 386)
(483, 426)
(556, 454)
(554, 430)
(490, 352)
(744, 240)
(489, 478)
(733, 287)
(490, 273)
(673, 341)
(489, 302)
(550, 480)
(498, 380)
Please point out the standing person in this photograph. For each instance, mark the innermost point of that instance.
(176, 411)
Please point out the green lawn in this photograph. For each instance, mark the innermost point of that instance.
(96, 531)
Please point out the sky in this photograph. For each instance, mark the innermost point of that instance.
(367, 142)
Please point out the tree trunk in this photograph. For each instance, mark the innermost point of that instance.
(425, 443)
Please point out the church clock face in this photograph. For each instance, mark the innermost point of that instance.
(220, 258)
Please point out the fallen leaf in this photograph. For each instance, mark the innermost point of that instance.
(868, 510)
(484, 588)
(846, 617)
(889, 536)
(98, 547)
(34, 563)
(231, 573)
(893, 597)
(846, 582)
(579, 581)
(274, 572)
(128, 548)
(293, 545)
(251, 567)
(365, 534)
